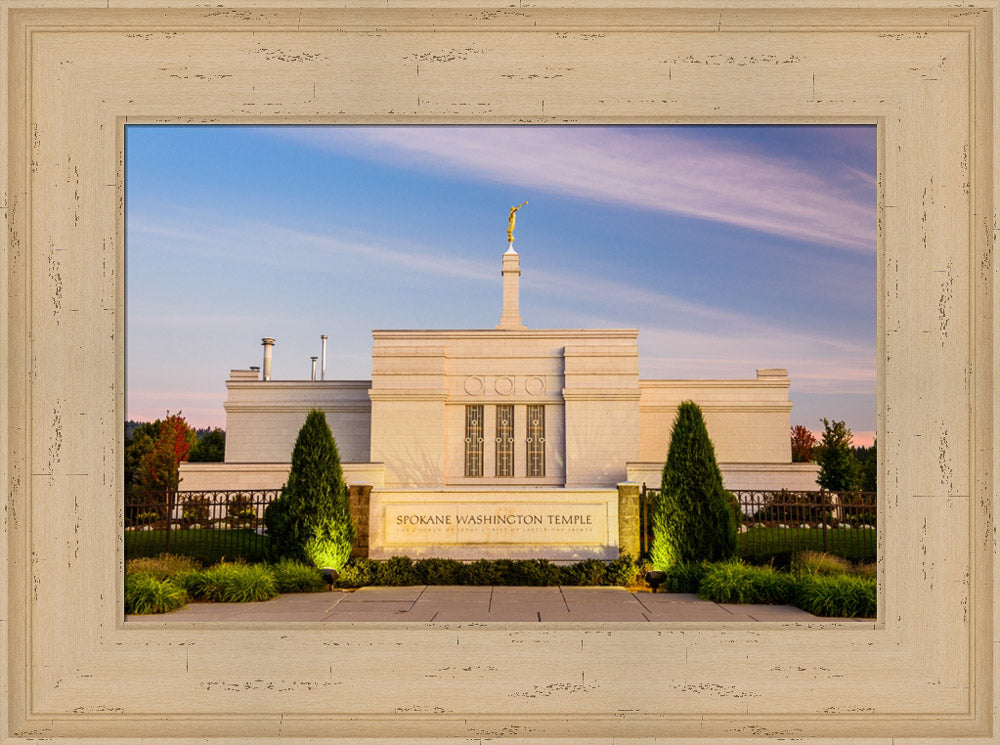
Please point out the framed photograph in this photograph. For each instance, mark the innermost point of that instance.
(74, 77)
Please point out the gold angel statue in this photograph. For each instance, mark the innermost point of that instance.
(513, 220)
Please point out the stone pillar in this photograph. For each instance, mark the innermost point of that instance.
(510, 316)
(628, 518)
(360, 501)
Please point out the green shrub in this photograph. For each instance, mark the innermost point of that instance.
(196, 510)
(395, 572)
(587, 573)
(735, 582)
(238, 583)
(163, 566)
(330, 547)
(865, 570)
(694, 518)
(400, 570)
(503, 571)
(623, 572)
(685, 577)
(291, 576)
(144, 518)
(192, 581)
(358, 572)
(240, 511)
(438, 572)
(482, 572)
(145, 594)
(536, 573)
(772, 558)
(816, 562)
(843, 595)
(311, 520)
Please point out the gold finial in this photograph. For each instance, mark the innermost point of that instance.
(513, 219)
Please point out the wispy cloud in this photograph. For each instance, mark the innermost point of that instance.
(702, 341)
(675, 172)
(264, 243)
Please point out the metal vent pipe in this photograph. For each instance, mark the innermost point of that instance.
(314, 367)
(268, 343)
(322, 374)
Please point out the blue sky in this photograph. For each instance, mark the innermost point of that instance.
(730, 248)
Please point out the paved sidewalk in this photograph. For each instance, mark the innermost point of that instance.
(448, 603)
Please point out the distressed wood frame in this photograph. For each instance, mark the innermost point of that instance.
(76, 72)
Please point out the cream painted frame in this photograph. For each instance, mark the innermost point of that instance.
(73, 75)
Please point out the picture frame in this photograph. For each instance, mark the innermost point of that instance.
(76, 73)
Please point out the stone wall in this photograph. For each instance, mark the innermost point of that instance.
(765, 476)
(748, 420)
(263, 417)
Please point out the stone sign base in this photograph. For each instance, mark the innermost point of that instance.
(531, 523)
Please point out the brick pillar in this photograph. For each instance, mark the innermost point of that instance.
(360, 501)
(628, 518)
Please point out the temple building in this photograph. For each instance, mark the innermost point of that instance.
(502, 442)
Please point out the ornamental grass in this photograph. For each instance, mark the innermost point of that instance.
(145, 594)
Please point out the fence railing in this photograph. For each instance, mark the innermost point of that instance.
(782, 522)
(204, 524)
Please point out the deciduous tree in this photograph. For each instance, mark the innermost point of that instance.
(838, 468)
(803, 444)
(159, 450)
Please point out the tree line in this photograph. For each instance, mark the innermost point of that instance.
(155, 450)
(843, 466)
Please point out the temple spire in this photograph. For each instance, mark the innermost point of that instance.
(510, 270)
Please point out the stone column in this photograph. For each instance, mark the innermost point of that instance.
(628, 518)
(510, 317)
(360, 503)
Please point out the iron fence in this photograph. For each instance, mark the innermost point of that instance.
(776, 523)
(208, 525)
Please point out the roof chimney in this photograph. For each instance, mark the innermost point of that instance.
(322, 373)
(314, 367)
(268, 343)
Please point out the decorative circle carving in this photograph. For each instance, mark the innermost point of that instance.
(505, 385)
(474, 385)
(534, 386)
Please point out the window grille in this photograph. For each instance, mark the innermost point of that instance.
(473, 440)
(536, 440)
(505, 440)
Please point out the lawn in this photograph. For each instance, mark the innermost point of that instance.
(207, 546)
(854, 544)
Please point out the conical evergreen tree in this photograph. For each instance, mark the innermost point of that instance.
(311, 520)
(694, 519)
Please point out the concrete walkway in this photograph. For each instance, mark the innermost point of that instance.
(425, 603)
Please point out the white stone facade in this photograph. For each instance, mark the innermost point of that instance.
(603, 425)
(516, 412)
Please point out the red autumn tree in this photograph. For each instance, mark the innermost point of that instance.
(159, 468)
(803, 444)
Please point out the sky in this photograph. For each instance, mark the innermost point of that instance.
(729, 247)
